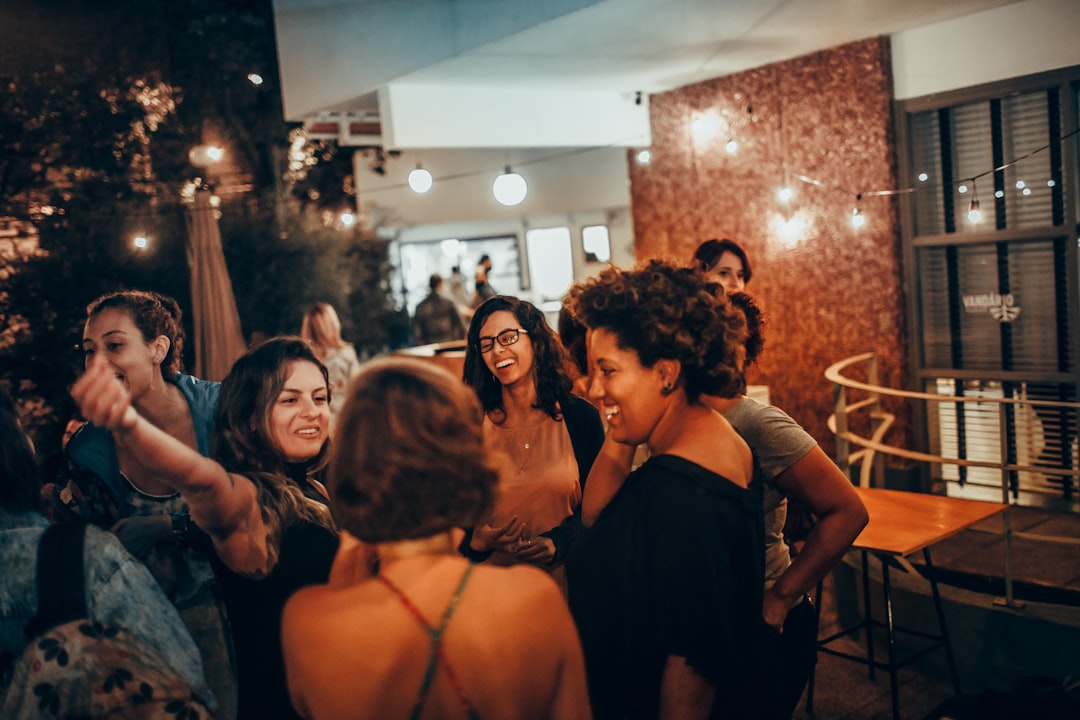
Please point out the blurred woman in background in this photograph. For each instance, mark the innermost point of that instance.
(322, 328)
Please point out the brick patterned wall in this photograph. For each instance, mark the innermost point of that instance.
(835, 291)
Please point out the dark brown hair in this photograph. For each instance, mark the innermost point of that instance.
(409, 459)
(551, 362)
(155, 315)
(664, 312)
(708, 254)
(755, 324)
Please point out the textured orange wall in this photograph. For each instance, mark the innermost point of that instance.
(835, 291)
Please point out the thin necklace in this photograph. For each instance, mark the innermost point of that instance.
(526, 445)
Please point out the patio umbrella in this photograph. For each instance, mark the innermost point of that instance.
(218, 339)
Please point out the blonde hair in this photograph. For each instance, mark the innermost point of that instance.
(322, 329)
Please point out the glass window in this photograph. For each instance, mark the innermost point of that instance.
(551, 264)
(597, 243)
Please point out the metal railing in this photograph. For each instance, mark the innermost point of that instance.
(873, 448)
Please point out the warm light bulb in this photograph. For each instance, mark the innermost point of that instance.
(732, 147)
(255, 79)
(205, 155)
(141, 241)
(974, 213)
(644, 157)
(420, 180)
(704, 128)
(857, 219)
(509, 188)
(347, 219)
(785, 194)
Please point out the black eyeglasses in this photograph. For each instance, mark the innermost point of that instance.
(506, 337)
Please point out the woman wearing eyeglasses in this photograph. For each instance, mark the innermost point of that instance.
(548, 438)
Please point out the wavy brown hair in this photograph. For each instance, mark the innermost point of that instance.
(409, 459)
(155, 315)
(664, 312)
(551, 362)
(243, 443)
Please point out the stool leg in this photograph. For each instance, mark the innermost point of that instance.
(813, 668)
(869, 619)
(941, 622)
(893, 685)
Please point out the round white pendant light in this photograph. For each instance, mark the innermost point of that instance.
(509, 188)
(420, 180)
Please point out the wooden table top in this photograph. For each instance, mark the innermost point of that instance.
(904, 522)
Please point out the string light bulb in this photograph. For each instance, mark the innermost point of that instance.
(857, 219)
(974, 213)
(420, 180)
(785, 194)
(731, 147)
(509, 188)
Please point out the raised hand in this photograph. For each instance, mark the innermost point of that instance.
(102, 398)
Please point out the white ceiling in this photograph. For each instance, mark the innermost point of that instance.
(337, 55)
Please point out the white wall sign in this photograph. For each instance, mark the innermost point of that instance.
(1002, 307)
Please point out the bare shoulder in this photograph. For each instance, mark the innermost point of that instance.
(522, 590)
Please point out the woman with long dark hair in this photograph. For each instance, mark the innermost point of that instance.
(547, 437)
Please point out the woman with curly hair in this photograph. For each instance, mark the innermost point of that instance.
(666, 585)
(139, 335)
(414, 638)
(269, 529)
(547, 437)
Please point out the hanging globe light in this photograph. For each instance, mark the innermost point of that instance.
(420, 180)
(509, 188)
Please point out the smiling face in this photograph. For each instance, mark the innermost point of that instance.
(136, 361)
(629, 395)
(729, 272)
(300, 418)
(508, 363)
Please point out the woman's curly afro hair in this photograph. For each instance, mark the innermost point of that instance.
(665, 312)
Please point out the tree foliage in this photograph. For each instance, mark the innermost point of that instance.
(99, 108)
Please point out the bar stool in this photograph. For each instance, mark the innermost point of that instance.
(902, 523)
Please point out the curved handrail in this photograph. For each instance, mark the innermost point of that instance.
(883, 421)
(832, 373)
